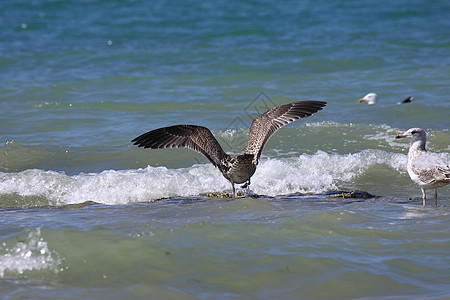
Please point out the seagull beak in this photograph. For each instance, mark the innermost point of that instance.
(399, 136)
(361, 100)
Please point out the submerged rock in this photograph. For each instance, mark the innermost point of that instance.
(222, 195)
(333, 194)
(78, 205)
(350, 194)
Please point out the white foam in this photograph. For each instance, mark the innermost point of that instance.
(319, 172)
(31, 254)
(305, 174)
(114, 187)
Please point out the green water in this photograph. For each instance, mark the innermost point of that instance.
(78, 210)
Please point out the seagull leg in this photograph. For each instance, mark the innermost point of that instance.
(435, 197)
(424, 197)
(234, 190)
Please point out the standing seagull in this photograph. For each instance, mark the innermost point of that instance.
(428, 171)
(237, 169)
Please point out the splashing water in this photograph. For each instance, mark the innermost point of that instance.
(31, 254)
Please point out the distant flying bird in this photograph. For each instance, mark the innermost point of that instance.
(428, 171)
(370, 98)
(237, 169)
(407, 100)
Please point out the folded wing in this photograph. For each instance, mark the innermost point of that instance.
(431, 169)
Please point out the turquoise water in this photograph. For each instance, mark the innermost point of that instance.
(78, 210)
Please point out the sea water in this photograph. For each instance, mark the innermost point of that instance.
(86, 214)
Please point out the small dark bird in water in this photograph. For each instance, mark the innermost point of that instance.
(407, 100)
(237, 169)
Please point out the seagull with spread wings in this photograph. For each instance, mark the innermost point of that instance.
(236, 169)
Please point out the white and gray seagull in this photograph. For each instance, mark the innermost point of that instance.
(429, 172)
(237, 169)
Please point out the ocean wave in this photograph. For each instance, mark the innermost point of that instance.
(327, 136)
(305, 173)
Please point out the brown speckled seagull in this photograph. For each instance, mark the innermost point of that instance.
(427, 171)
(237, 169)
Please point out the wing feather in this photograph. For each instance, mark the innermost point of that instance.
(430, 169)
(197, 138)
(266, 124)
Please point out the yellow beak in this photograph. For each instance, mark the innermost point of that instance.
(361, 100)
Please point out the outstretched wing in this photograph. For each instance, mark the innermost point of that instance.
(265, 125)
(197, 138)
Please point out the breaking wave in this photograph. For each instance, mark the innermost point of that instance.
(315, 173)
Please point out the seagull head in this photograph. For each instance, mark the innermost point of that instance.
(371, 98)
(414, 135)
